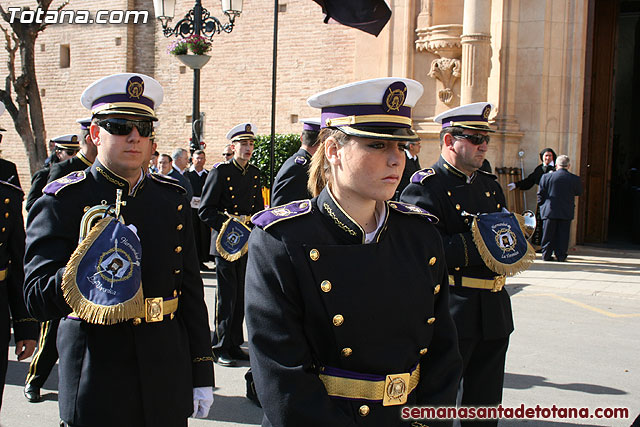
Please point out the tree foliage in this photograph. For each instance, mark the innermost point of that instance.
(21, 94)
(285, 146)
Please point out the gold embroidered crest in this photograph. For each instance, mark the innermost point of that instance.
(135, 89)
(395, 99)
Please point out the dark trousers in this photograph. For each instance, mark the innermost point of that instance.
(5, 335)
(555, 238)
(47, 355)
(229, 303)
(202, 235)
(482, 374)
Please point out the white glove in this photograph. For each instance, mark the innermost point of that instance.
(202, 401)
(511, 186)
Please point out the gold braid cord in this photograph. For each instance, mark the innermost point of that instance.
(494, 265)
(82, 307)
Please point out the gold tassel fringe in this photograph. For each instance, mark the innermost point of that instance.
(223, 253)
(505, 269)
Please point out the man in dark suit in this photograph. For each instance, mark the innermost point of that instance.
(411, 166)
(180, 163)
(197, 175)
(556, 198)
(291, 181)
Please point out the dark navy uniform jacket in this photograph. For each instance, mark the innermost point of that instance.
(229, 187)
(9, 172)
(556, 194)
(447, 192)
(411, 166)
(291, 181)
(183, 181)
(304, 270)
(11, 256)
(76, 163)
(38, 181)
(125, 374)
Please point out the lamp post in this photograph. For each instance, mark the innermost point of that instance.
(198, 21)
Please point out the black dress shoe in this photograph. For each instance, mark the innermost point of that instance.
(223, 359)
(203, 267)
(32, 393)
(239, 354)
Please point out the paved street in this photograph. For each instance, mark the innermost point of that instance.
(576, 344)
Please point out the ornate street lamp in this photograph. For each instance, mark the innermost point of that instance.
(198, 21)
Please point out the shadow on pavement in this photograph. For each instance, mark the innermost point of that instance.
(17, 374)
(522, 382)
(574, 263)
(514, 288)
(235, 409)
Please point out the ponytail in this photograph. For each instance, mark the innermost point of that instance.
(319, 171)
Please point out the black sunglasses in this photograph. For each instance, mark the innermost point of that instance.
(125, 127)
(69, 151)
(474, 139)
(227, 154)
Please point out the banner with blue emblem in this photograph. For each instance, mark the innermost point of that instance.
(103, 282)
(502, 243)
(233, 240)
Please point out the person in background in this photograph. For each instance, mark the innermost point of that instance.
(8, 170)
(197, 175)
(153, 163)
(411, 166)
(227, 153)
(180, 165)
(12, 305)
(165, 164)
(548, 157)
(556, 198)
(232, 192)
(291, 181)
(66, 146)
(45, 358)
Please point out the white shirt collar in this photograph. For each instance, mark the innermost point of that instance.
(380, 215)
(409, 155)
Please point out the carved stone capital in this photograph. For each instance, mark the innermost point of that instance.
(442, 40)
(447, 70)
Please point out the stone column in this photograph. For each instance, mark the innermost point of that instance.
(476, 51)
